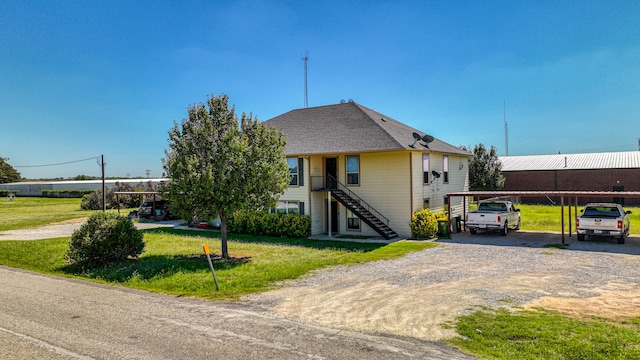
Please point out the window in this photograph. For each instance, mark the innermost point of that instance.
(425, 204)
(353, 170)
(353, 222)
(287, 207)
(293, 171)
(445, 166)
(425, 168)
(446, 200)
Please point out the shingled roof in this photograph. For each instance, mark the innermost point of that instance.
(349, 127)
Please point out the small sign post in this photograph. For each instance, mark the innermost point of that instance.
(207, 252)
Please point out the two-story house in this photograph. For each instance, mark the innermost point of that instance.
(358, 172)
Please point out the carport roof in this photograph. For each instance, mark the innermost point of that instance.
(572, 194)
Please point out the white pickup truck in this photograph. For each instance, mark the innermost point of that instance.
(493, 215)
(603, 219)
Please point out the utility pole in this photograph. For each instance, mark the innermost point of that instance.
(506, 130)
(306, 97)
(104, 193)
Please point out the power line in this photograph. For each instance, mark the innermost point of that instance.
(62, 163)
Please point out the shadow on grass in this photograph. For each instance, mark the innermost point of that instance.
(302, 242)
(153, 266)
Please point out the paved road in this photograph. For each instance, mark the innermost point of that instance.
(48, 317)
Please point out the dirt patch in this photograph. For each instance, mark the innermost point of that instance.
(614, 301)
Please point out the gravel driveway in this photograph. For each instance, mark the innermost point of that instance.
(415, 295)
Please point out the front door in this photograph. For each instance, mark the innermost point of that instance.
(331, 173)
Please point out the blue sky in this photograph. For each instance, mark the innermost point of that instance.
(83, 78)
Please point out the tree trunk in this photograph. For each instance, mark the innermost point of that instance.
(223, 236)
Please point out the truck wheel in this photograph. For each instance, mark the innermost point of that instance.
(505, 229)
(580, 237)
(472, 231)
(621, 239)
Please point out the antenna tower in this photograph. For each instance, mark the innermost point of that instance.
(506, 131)
(306, 97)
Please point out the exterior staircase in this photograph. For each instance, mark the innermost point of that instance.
(359, 207)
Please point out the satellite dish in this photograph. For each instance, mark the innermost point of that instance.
(416, 137)
(426, 138)
(435, 174)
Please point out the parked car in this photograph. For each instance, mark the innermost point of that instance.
(493, 215)
(603, 219)
(160, 212)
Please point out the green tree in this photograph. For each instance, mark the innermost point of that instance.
(7, 173)
(485, 170)
(217, 165)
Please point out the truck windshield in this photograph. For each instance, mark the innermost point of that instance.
(492, 207)
(601, 212)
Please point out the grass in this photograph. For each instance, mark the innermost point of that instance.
(28, 212)
(173, 262)
(541, 334)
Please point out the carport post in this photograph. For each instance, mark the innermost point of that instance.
(449, 212)
(570, 218)
(562, 216)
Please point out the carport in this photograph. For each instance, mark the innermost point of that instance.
(571, 196)
(142, 195)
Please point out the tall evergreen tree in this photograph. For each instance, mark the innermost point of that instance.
(217, 165)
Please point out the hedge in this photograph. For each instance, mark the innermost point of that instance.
(65, 193)
(270, 224)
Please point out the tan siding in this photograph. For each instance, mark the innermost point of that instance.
(385, 185)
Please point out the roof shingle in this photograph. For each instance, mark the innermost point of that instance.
(349, 127)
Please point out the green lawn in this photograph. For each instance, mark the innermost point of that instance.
(28, 212)
(541, 334)
(173, 263)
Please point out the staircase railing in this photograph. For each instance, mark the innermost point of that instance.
(329, 183)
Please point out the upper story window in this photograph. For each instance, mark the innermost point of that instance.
(445, 167)
(425, 168)
(353, 170)
(293, 171)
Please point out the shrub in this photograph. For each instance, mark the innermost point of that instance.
(5, 193)
(262, 223)
(103, 239)
(92, 201)
(65, 193)
(424, 223)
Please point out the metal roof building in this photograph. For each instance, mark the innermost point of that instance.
(607, 160)
(608, 171)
